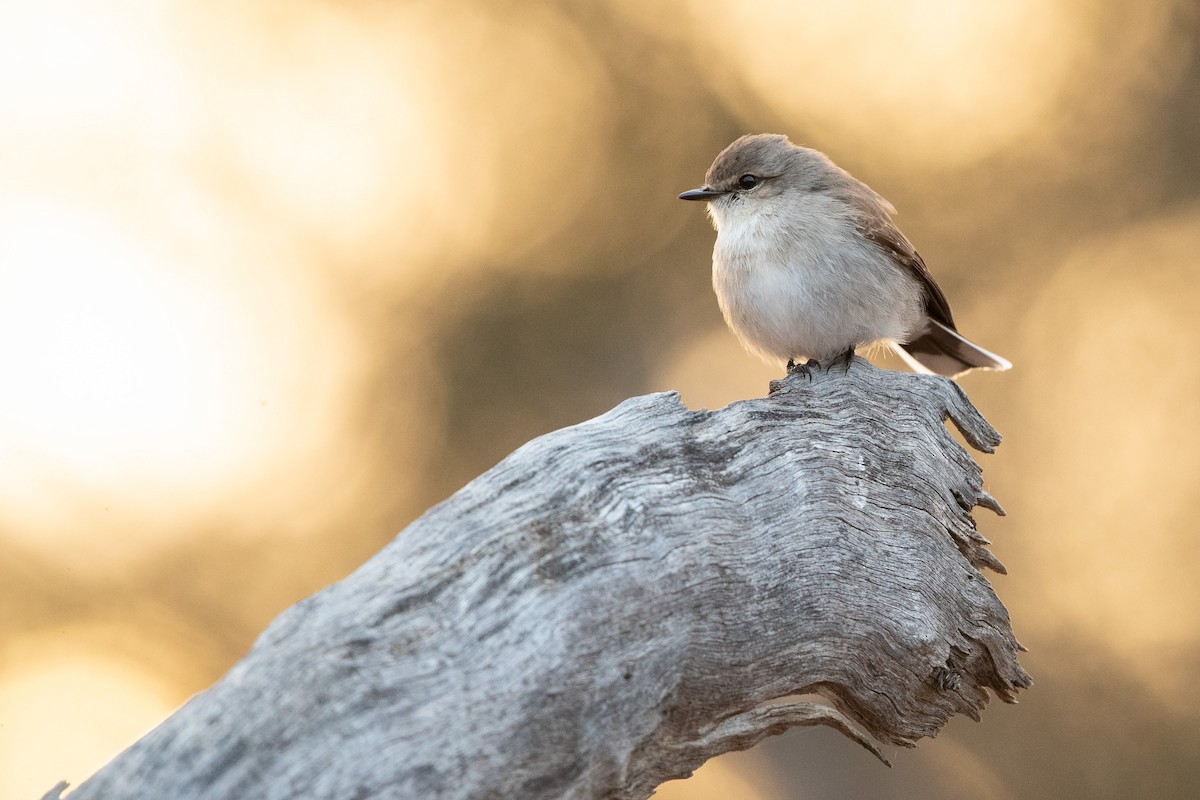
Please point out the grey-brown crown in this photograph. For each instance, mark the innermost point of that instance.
(771, 155)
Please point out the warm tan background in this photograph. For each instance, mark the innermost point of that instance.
(276, 276)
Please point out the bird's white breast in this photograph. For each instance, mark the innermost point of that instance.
(805, 284)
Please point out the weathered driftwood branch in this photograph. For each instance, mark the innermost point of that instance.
(619, 601)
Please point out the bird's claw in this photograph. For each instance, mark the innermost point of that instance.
(804, 369)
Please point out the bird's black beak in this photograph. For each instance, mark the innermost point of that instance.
(701, 194)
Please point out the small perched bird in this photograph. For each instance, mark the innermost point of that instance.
(808, 264)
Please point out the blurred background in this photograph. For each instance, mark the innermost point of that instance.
(276, 276)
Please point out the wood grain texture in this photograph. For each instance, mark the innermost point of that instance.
(618, 601)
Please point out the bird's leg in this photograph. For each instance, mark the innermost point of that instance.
(845, 359)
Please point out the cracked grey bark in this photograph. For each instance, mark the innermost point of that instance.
(618, 601)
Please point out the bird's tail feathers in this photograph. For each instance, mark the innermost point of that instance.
(943, 351)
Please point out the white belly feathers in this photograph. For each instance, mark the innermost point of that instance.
(823, 290)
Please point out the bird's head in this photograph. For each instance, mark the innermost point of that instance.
(753, 174)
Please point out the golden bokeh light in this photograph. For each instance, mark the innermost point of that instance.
(65, 62)
(691, 374)
(1111, 482)
(715, 780)
(136, 377)
(914, 85)
(113, 359)
(276, 276)
(397, 136)
(957, 772)
(67, 707)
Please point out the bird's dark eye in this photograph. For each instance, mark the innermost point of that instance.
(748, 181)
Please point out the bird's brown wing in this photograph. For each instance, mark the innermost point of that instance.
(873, 223)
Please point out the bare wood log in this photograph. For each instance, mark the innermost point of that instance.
(619, 601)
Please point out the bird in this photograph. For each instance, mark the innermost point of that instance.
(808, 265)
